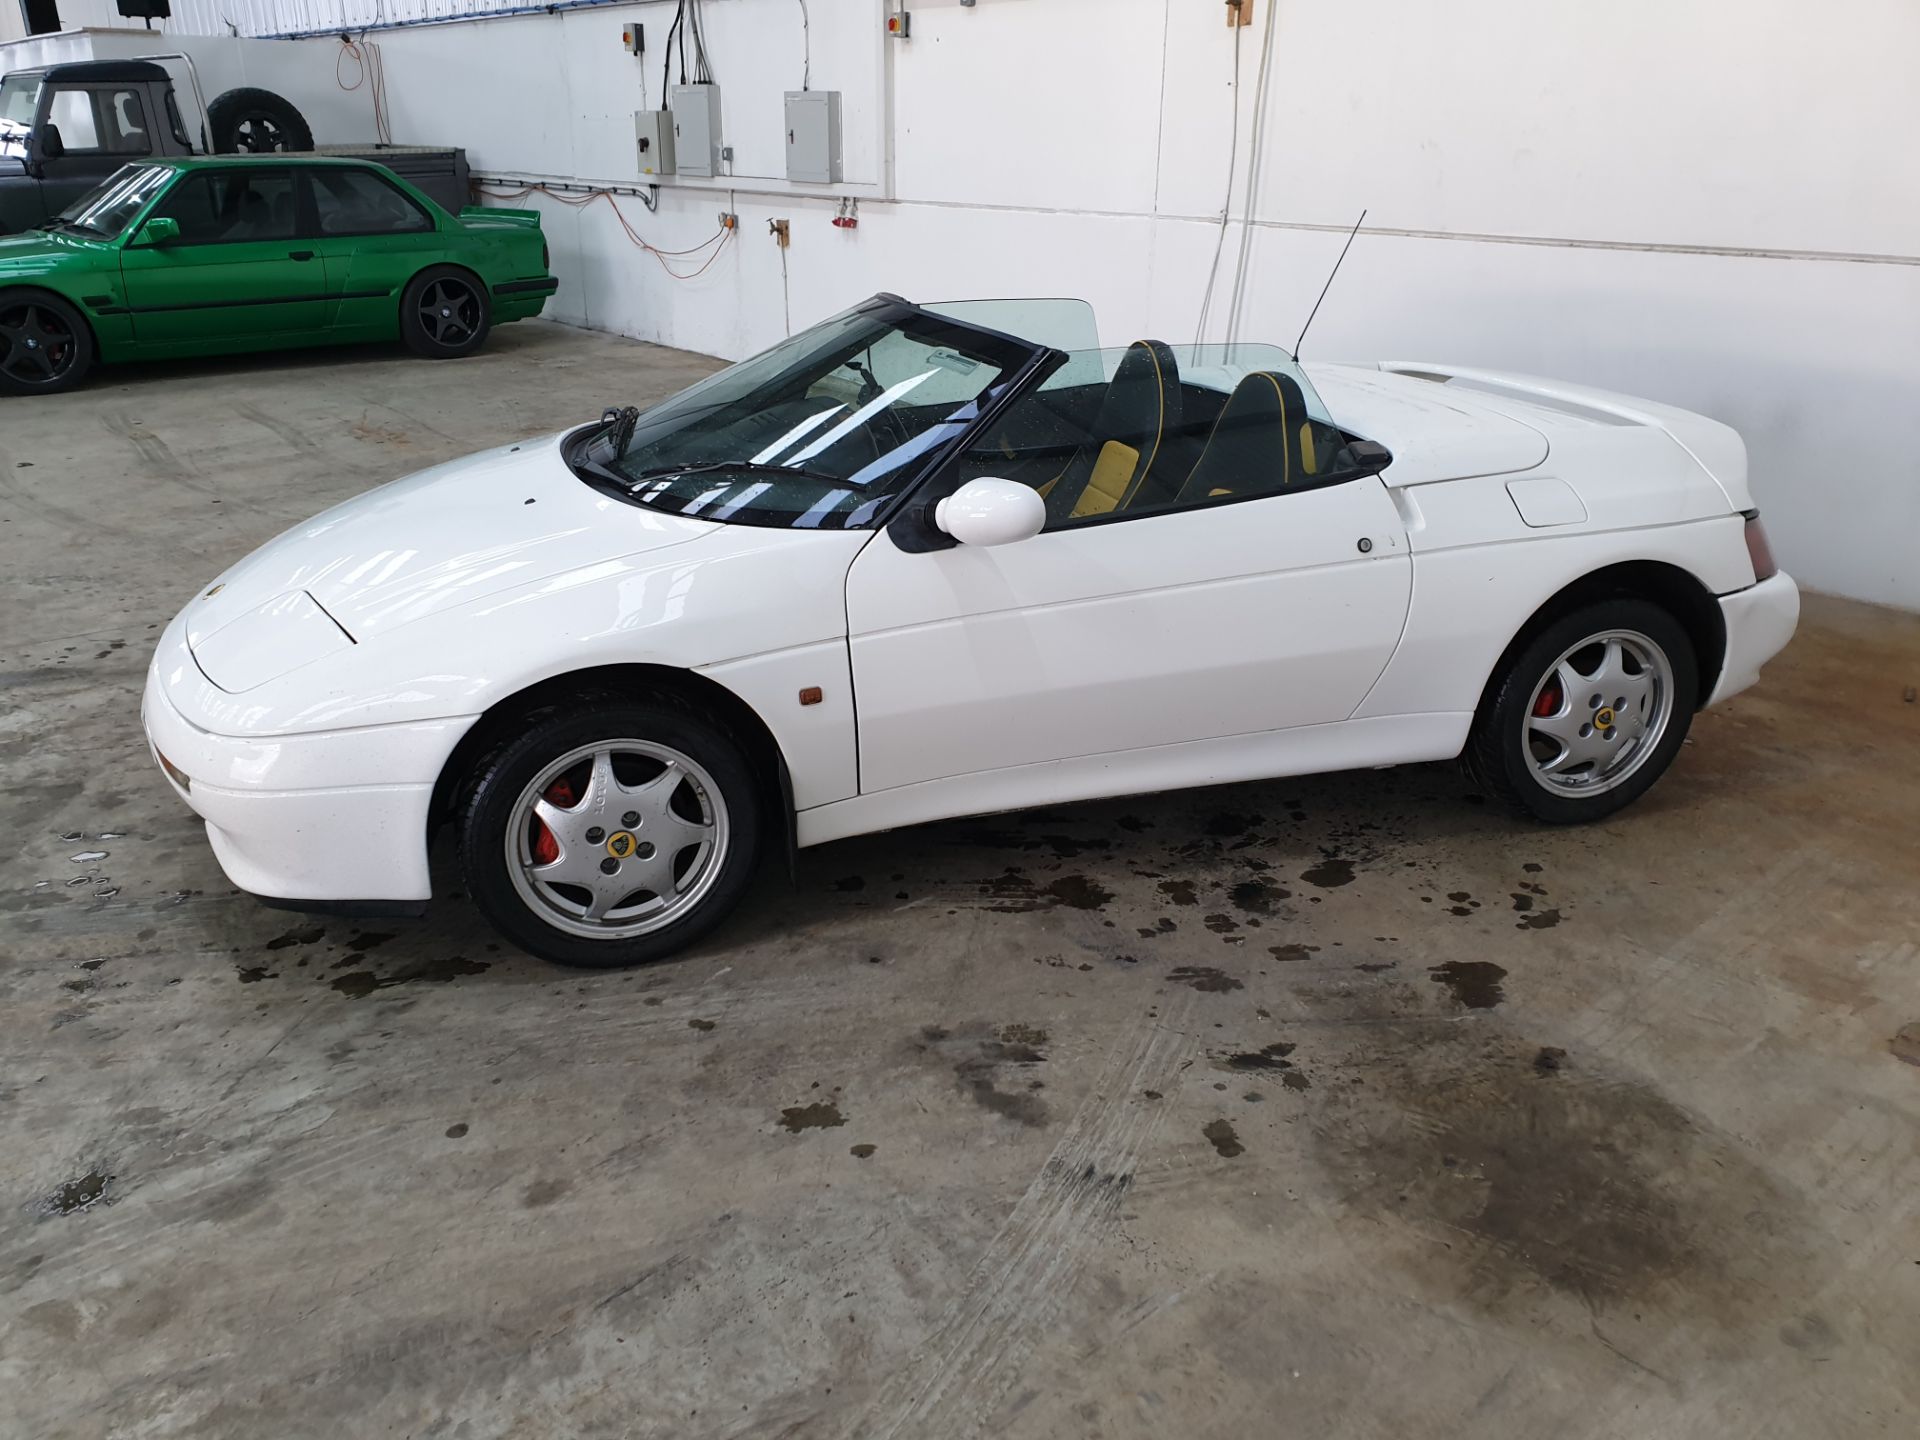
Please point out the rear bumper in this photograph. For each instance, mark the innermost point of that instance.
(1760, 620)
(280, 831)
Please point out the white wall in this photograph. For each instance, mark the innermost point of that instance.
(1714, 204)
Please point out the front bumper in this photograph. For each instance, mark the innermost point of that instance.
(328, 816)
(1760, 620)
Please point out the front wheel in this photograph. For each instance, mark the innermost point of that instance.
(1589, 713)
(611, 835)
(445, 313)
(45, 347)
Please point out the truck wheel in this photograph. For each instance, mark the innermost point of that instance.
(45, 346)
(255, 122)
(445, 313)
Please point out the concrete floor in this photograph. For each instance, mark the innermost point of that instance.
(1339, 1107)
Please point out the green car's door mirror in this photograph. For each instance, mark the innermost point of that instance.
(160, 230)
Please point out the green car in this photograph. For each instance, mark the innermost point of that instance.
(211, 255)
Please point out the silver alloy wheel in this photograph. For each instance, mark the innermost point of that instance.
(617, 838)
(1598, 713)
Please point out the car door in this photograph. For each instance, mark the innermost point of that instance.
(372, 238)
(237, 276)
(99, 129)
(1245, 597)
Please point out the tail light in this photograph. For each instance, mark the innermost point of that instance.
(545, 262)
(1759, 550)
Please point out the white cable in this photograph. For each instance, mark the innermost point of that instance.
(806, 40)
(1226, 205)
(1255, 155)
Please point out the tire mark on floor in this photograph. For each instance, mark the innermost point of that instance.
(296, 439)
(167, 1201)
(72, 520)
(955, 1380)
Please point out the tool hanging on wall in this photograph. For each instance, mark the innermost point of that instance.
(1239, 12)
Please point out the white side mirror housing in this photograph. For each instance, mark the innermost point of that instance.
(991, 512)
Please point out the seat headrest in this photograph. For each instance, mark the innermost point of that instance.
(1144, 395)
(1251, 439)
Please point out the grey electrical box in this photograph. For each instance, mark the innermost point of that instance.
(653, 141)
(813, 136)
(696, 128)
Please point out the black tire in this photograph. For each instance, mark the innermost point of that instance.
(492, 817)
(45, 344)
(1505, 748)
(445, 313)
(256, 122)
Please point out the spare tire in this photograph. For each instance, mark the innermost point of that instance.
(256, 122)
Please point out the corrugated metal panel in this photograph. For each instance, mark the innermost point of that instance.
(293, 17)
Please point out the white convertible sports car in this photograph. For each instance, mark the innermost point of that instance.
(919, 562)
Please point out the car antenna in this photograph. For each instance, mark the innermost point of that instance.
(1329, 285)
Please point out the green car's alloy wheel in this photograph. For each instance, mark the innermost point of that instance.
(44, 345)
(445, 313)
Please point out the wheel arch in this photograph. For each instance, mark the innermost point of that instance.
(405, 289)
(72, 302)
(632, 681)
(1675, 590)
(486, 290)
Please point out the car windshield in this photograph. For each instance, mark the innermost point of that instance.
(18, 95)
(819, 432)
(110, 206)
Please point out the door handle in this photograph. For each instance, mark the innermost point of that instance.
(300, 254)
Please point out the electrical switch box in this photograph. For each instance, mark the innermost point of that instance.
(653, 141)
(813, 136)
(696, 128)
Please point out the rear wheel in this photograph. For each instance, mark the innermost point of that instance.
(45, 346)
(1588, 714)
(611, 835)
(445, 313)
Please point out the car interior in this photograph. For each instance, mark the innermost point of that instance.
(216, 208)
(1150, 440)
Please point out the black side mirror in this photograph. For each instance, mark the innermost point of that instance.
(52, 147)
(1370, 457)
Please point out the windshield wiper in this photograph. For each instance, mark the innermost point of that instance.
(62, 223)
(735, 467)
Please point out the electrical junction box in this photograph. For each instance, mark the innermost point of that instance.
(813, 136)
(653, 141)
(696, 128)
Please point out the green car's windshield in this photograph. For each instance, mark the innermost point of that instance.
(18, 95)
(818, 432)
(110, 206)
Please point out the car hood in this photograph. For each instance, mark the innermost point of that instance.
(442, 538)
(32, 251)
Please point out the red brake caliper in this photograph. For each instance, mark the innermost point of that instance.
(546, 849)
(1548, 701)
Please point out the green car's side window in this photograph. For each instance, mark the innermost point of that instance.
(220, 207)
(358, 202)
